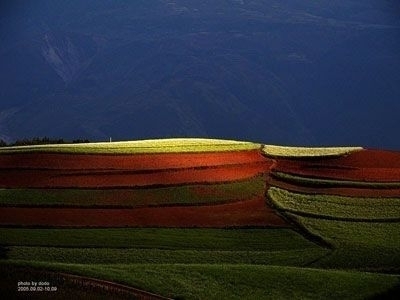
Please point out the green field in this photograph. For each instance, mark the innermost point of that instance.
(357, 245)
(227, 260)
(204, 281)
(364, 232)
(180, 195)
(336, 207)
(136, 147)
(142, 257)
(158, 238)
(294, 257)
(216, 246)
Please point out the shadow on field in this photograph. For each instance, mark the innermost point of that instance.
(3, 252)
(390, 294)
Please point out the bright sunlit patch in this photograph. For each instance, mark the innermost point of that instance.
(284, 151)
(142, 146)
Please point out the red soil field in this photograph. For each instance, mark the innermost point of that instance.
(364, 165)
(109, 179)
(340, 191)
(370, 159)
(45, 170)
(128, 162)
(252, 212)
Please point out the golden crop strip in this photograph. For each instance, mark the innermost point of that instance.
(142, 146)
(285, 151)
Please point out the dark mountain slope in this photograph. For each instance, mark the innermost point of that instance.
(291, 72)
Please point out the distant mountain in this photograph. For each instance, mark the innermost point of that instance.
(287, 72)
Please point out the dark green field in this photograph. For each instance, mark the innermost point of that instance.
(337, 207)
(178, 195)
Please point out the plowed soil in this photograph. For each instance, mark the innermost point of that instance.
(364, 165)
(113, 179)
(253, 212)
(50, 170)
(340, 191)
(128, 162)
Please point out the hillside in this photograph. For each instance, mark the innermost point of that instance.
(200, 219)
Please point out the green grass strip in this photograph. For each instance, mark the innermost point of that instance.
(143, 146)
(341, 233)
(331, 206)
(180, 195)
(371, 246)
(159, 238)
(284, 151)
(311, 181)
(296, 257)
(194, 281)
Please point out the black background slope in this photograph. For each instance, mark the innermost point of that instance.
(289, 72)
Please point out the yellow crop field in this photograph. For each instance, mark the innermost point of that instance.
(141, 146)
(285, 151)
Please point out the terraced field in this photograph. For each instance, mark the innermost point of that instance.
(201, 219)
(351, 202)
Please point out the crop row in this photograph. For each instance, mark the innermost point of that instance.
(148, 162)
(328, 170)
(323, 206)
(294, 257)
(283, 151)
(176, 195)
(358, 245)
(335, 190)
(249, 212)
(127, 178)
(364, 232)
(144, 146)
(158, 238)
(315, 181)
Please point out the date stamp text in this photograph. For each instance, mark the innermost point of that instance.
(35, 286)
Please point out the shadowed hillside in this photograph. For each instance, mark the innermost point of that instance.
(285, 72)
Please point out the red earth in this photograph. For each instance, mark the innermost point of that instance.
(113, 179)
(46, 170)
(340, 191)
(252, 212)
(364, 165)
(155, 161)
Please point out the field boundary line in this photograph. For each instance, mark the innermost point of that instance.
(297, 226)
(326, 182)
(333, 218)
